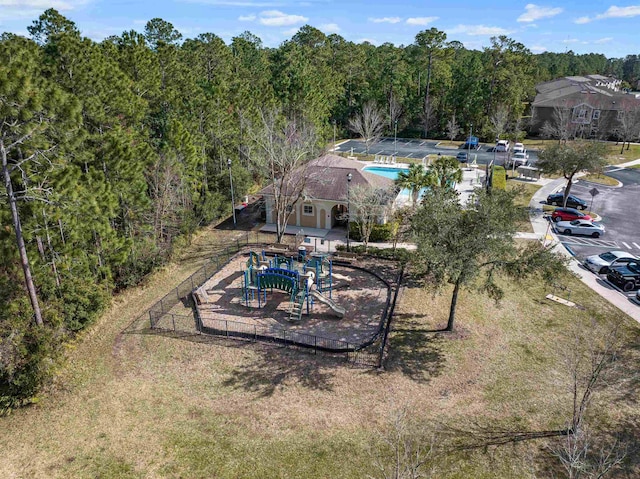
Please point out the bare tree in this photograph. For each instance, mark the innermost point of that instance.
(395, 110)
(369, 124)
(582, 454)
(283, 149)
(453, 129)
(407, 450)
(560, 127)
(499, 119)
(428, 117)
(368, 206)
(628, 127)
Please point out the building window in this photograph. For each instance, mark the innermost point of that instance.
(596, 114)
(620, 114)
(307, 210)
(582, 114)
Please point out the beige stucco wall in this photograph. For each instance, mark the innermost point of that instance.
(321, 217)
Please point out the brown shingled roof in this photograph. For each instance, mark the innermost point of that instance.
(327, 178)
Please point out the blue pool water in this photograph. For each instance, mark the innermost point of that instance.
(391, 173)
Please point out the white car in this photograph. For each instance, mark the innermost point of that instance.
(519, 148)
(502, 145)
(580, 227)
(518, 159)
(600, 263)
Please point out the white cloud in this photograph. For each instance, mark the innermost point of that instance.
(536, 12)
(236, 3)
(538, 49)
(330, 28)
(275, 18)
(13, 9)
(531, 25)
(291, 31)
(385, 20)
(620, 12)
(421, 20)
(247, 18)
(612, 12)
(478, 30)
(570, 40)
(603, 40)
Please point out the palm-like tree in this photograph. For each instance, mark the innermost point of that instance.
(445, 172)
(414, 180)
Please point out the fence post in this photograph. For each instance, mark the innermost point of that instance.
(315, 345)
(161, 306)
(226, 327)
(255, 333)
(173, 320)
(151, 319)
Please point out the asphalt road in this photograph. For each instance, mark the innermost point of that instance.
(417, 148)
(618, 207)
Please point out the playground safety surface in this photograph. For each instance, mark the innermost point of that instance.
(364, 297)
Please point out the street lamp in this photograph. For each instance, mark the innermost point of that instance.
(469, 143)
(395, 139)
(349, 177)
(334, 135)
(233, 203)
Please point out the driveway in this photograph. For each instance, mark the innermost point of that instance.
(417, 148)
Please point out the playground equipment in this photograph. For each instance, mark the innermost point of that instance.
(304, 279)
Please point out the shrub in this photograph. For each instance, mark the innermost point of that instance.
(499, 178)
(379, 233)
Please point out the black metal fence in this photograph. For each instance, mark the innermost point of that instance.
(368, 353)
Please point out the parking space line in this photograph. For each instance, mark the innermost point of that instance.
(626, 245)
(379, 152)
(636, 245)
(409, 155)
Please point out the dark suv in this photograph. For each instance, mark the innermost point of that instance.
(572, 201)
(625, 276)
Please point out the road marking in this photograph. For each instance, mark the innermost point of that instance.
(409, 155)
(422, 143)
(379, 152)
(590, 242)
(626, 245)
(636, 245)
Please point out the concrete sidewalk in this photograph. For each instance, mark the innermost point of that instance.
(542, 230)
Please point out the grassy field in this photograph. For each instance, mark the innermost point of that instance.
(133, 405)
(522, 200)
(600, 179)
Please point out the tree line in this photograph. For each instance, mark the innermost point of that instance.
(112, 151)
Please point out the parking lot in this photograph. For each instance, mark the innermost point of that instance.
(618, 208)
(417, 148)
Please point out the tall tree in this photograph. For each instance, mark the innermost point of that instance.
(431, 43)
(457, 244)
(34, 115)
(568, 159)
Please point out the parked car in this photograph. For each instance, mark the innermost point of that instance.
(518, 159)
(638, 296)
(472, 142)
(580, 227)
(568, 214)
(572, 201)
(600, 263)
(502, 145)
(463, 157)
(518, 148)
(626, 277)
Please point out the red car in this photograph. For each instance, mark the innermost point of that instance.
(569, 214)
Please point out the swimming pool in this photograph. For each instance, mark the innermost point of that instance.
(391, 173)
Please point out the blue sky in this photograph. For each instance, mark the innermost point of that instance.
(560, 26)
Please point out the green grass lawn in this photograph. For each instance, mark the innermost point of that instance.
(134, 405)
(600, 179)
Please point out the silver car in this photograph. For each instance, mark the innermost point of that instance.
(580, 227)
(600, 263)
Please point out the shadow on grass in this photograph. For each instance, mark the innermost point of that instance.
(414, 351)
(277, 367)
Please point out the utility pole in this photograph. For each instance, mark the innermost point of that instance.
(233, 203)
